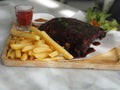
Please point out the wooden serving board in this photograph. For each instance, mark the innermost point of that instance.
(108, 60)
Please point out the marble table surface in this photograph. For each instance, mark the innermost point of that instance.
(34, 78)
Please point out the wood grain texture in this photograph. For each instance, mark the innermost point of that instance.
(108, 61)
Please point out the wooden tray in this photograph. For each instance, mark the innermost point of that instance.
(108, 60)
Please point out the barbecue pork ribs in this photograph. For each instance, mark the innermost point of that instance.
(75, 35)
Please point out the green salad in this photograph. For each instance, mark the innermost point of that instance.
(98, 18)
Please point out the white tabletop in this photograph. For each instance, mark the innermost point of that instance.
(32, 78)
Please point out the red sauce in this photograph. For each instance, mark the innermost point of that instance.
(96, 43)
(24, 17)
(41, 20)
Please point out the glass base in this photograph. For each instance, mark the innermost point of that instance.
(23, 28)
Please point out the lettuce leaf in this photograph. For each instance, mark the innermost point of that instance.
(100, 17)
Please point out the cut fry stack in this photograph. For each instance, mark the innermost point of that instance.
(35, 45)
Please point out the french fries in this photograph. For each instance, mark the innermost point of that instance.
(41, 55)
(53, 54)
(60, 49)
(18, 53)
(33, 29)
(24, 34)
(39, 43)
(24, 56)
(41, 50)
(35, 45)
(51, 42)
(27, 48)
(11, 54)
(16, 46)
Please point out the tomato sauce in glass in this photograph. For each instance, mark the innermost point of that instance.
(24, 17)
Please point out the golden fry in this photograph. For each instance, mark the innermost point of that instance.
(39, 42)
(24, 56)
(27, 48)
(17, 41)
(41, 55)
(12, 41)
(53, 54)
(13, 55)
(30, 53)
(26, 44)
(34, 29)
(17, 53)
(41, 50)
(24, 41)
(24, 34)
(44, 46)
(9, 53)
(16, 46)
(31, 57)
(14, 37)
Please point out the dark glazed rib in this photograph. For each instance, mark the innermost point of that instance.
(76, 36)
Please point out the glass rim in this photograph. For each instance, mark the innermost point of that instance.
(25, 5)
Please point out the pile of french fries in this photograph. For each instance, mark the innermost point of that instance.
(35, 45)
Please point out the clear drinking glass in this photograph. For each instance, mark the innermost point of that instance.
(24, 14)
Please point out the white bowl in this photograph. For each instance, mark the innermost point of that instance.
(45, 16)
